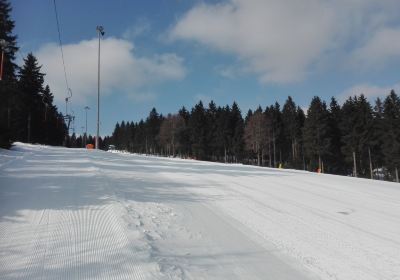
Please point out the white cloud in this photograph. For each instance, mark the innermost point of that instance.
(141, 26)
(381, 48)
(371, 92)
(121, 70)
(230, 71)
(143, 97)
(283, 40)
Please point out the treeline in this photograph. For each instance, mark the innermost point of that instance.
(27, 112)
(80, 141)
(353, 139)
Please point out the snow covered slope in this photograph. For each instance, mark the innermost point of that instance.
(84, 214)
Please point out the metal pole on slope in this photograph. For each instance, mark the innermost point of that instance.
(86, 109)
(83, 138)
(100, 32)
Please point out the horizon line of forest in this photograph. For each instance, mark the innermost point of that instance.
(353, 139)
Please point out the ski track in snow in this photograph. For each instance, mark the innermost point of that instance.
(81, 214)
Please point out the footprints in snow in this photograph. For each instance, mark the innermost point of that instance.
(150, 225)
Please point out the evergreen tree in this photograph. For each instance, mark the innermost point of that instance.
(8, 86)
(90, 140)
(183, 134)
(315, 131)
(237, 128)
(30, 95)
(356, 126)
(335, 158)
(224, 133)
(59, 129)
(51, 132)
(140, 138)
(269, 116)
(116, 137)
(300, 120)
(79, 142)
(131, 132)
(198, 128)
(72, 141)
(291, 128)
(367, 136)
(107, 141)
(277, 133)
(329, 139)
(153, 123)
(124, 140)
(6, 33)
(377, 135)
(212, 134)
(391, 145)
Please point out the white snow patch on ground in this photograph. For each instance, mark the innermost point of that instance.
(85, 214)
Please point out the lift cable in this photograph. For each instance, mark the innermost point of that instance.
(61, 47)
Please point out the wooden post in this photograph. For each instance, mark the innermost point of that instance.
(397, 174)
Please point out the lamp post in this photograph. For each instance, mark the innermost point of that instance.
(86, 109)
(100, 32)
(83, 138)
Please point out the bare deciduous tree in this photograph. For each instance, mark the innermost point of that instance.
(256, 134)
(169, 129)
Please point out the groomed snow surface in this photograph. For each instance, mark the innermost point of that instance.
(85, 214)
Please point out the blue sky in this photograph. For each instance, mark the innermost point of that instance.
(172, 53)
